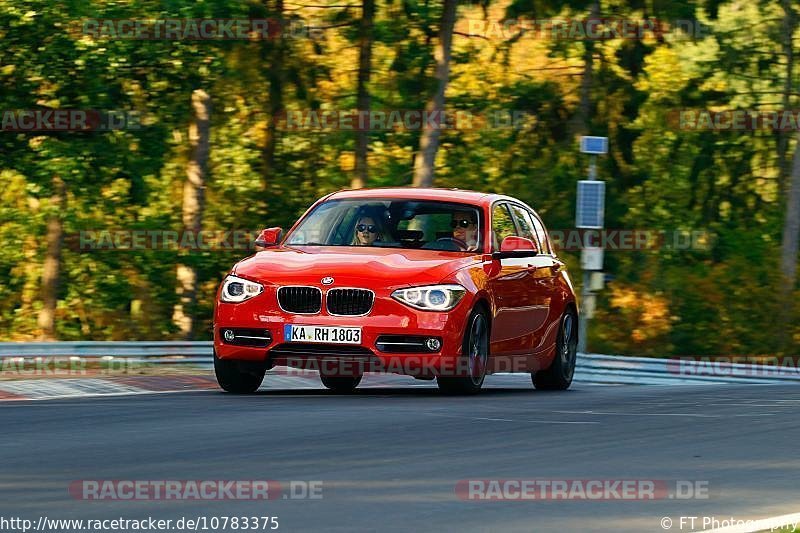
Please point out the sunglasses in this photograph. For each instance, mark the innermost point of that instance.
(364, 227)
(461, 223)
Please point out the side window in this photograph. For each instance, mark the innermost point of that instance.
(502, 224)
(523, 220)
(542, 234)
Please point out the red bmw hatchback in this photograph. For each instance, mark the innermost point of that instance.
(439, 284)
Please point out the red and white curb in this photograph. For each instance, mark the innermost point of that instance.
(49, 389)
(81, 387)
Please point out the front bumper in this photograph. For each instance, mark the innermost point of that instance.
(387, 317)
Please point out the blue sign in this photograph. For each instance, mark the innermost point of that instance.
(594, 145)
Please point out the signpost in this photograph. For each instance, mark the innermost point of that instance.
(590, 214)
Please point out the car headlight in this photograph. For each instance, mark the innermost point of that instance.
(235, 289)
(431, 297)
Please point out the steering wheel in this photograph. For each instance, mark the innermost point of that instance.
(461, 245)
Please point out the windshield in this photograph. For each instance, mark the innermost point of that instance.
(391, 224)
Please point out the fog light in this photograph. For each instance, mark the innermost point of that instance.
(229, 335)
(433, 344)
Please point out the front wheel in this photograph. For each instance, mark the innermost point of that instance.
(476, 351)
(559, 375)
(238, 377)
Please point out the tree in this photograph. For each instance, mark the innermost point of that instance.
(51, 272)
(193, 207)
(365, 40)
(791, 228)
(791, 224)
(275, 75)
(429, 141)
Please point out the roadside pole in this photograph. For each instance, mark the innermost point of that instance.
(589, 214)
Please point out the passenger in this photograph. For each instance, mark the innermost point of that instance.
(366, 231)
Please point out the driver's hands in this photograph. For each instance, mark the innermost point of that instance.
(460, 243)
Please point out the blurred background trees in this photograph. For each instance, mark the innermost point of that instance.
(242, 168)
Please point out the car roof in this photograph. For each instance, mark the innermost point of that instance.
(417, 193)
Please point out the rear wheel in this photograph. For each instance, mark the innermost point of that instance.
(239, 377)
(476, 351)
(341, 384)
(559, 375)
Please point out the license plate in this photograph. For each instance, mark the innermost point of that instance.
(322, 334)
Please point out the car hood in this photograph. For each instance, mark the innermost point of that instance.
(352, 266)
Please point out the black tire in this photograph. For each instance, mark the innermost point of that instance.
(559, 375)
(476, 349)
(340, 384)
(238, 377)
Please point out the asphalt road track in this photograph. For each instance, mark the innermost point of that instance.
(390, 457)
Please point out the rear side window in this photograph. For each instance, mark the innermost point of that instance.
(502, 224)
(542, 234)
(523, 220)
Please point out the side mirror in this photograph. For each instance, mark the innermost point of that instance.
(513, 246)
(268, 237)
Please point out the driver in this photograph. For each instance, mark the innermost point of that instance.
(465, 229)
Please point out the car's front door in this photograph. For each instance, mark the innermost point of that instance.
(510, 283)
